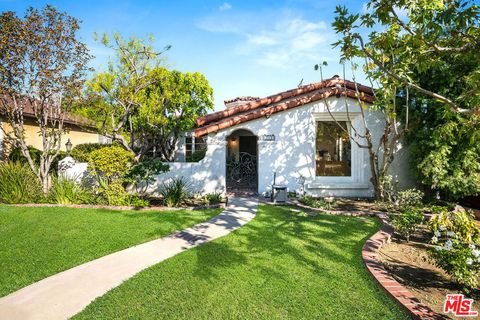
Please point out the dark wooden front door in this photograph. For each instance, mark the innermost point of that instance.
(248, 144)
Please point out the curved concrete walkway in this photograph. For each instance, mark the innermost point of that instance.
(65, 294)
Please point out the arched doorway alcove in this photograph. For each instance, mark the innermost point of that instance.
(242, 162)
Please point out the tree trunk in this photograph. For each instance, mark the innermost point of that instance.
(45, 184)
(44, 174)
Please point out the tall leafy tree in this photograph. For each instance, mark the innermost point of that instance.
(418, 54)
(42, 70)
(170, 106)
(141, 104)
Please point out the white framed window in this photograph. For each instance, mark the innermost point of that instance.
(343, 162)
(333, 149)
(195, 148)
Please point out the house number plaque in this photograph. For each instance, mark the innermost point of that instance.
(268, 137)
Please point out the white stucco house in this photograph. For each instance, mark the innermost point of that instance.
(302, 136)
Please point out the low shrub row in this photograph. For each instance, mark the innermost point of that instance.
(112, 170)
(315, 202)
(16, 156)
(18, 184)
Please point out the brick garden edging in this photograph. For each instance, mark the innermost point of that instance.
(370, 256)
(398, 292)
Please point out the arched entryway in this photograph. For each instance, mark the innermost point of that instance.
(242, 162)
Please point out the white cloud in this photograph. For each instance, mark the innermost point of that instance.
(225, 6)
(261, 40)
(271, 39)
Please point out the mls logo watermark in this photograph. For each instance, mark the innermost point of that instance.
(459, 306)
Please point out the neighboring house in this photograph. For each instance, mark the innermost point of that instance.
(290, 134)
(77, 129)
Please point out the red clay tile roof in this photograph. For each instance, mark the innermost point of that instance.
(243, 98)
(280, 102)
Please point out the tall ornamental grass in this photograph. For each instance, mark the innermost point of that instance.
(18, 184)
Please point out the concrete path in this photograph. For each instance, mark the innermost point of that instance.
(65, 294)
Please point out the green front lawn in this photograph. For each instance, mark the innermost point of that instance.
(282, 264)
(36, 242)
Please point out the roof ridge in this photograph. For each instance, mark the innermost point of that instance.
(241, 98)
(275, 98)
(268, 110)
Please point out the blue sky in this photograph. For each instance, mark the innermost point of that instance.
(243, 47)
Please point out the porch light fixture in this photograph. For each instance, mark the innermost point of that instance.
(232, 139)
(68, 146)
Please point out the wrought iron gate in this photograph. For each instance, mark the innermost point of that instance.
(242, 174)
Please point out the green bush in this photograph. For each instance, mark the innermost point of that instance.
(143, 173)
(115, 194)
(457, 237)
(460, 222)
(210, 198)
(458, 259)
(315, 202)
(81, 152)
(175, 192)
(110, 163)
(137, 201)
(388, 185)
(18, 184)
(409, 198)
(406, 222)
(111, 167)
(66, 191)
(446, 154)
(17, 156)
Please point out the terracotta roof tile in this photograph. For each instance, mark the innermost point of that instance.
(243, 98)
(280, 102)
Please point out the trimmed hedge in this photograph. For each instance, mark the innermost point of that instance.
(17, 156)
(81, 152)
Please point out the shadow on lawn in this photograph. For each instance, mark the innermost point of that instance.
(177, 219)
(314, 242)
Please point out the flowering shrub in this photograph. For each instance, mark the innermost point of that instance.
(460, 222)
(409, 198)
(406, 222)
(457, 251)
(399, 200)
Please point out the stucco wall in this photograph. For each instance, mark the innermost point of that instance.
(293, 153)
(206, 176)
(74, 133)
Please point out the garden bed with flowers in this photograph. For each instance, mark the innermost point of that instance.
(441, 256)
